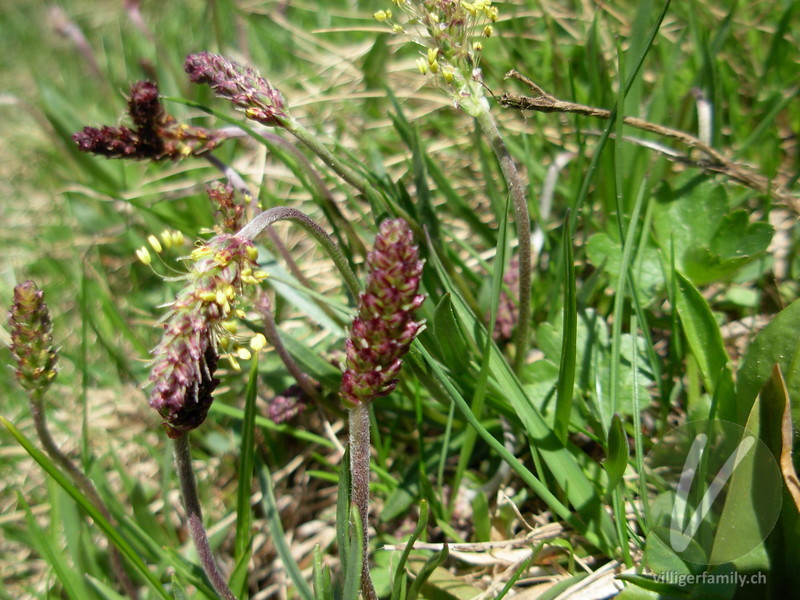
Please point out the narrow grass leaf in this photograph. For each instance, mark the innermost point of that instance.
(244, 517)
(323, 588)
(275, 527)
(617, 459)
(702, 332)
(103, 590)
(569, 343)
(72, 581)
(426, 571)
(109, 530)
(352, 572)
(398, 580)
(343, 509)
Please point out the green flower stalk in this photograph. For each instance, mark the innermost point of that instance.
(451, 33)
(380, 336)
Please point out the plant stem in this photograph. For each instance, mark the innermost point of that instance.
(305, 382)
(85, 485)
(312, 141)
(718, 163)
(183, 462)
(523, 222)
(282, 213)
(359, 491)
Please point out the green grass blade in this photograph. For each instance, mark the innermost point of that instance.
(273, 517)
(569, 344)
(244, 517)
(109, 530)
(72, 581)
(399, 571)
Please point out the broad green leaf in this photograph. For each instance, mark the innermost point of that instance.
(702, 332)
(748, 516)
(775, 344)
(605, 252)
(448, 334)
(710, 242)
(617, 460)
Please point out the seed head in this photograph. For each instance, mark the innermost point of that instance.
(382, 332)
(32, 338)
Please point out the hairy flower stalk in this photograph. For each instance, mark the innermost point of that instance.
(186, 358)
(450, 33)
(36, 357)
(156, 135)
(380, 336)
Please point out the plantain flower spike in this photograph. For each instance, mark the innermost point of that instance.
(244, 87)
(156, 135)
(186, 357)
(32, 338)
(382, 332)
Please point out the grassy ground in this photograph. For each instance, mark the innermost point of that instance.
(662, 292)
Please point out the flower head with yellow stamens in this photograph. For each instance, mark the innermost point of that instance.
(186, 357)
(450, 32)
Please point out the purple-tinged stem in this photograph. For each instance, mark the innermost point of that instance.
(271, 332)
(183, 462)
(359, 481)
(282, 213)
(522, 220)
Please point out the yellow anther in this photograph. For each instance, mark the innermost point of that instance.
(154, 243)
(422, 65)
(201, 252)
(143, 254)
(243, 353)
(231, 327)
(258, 342)
(166, 239)
(252, 253)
